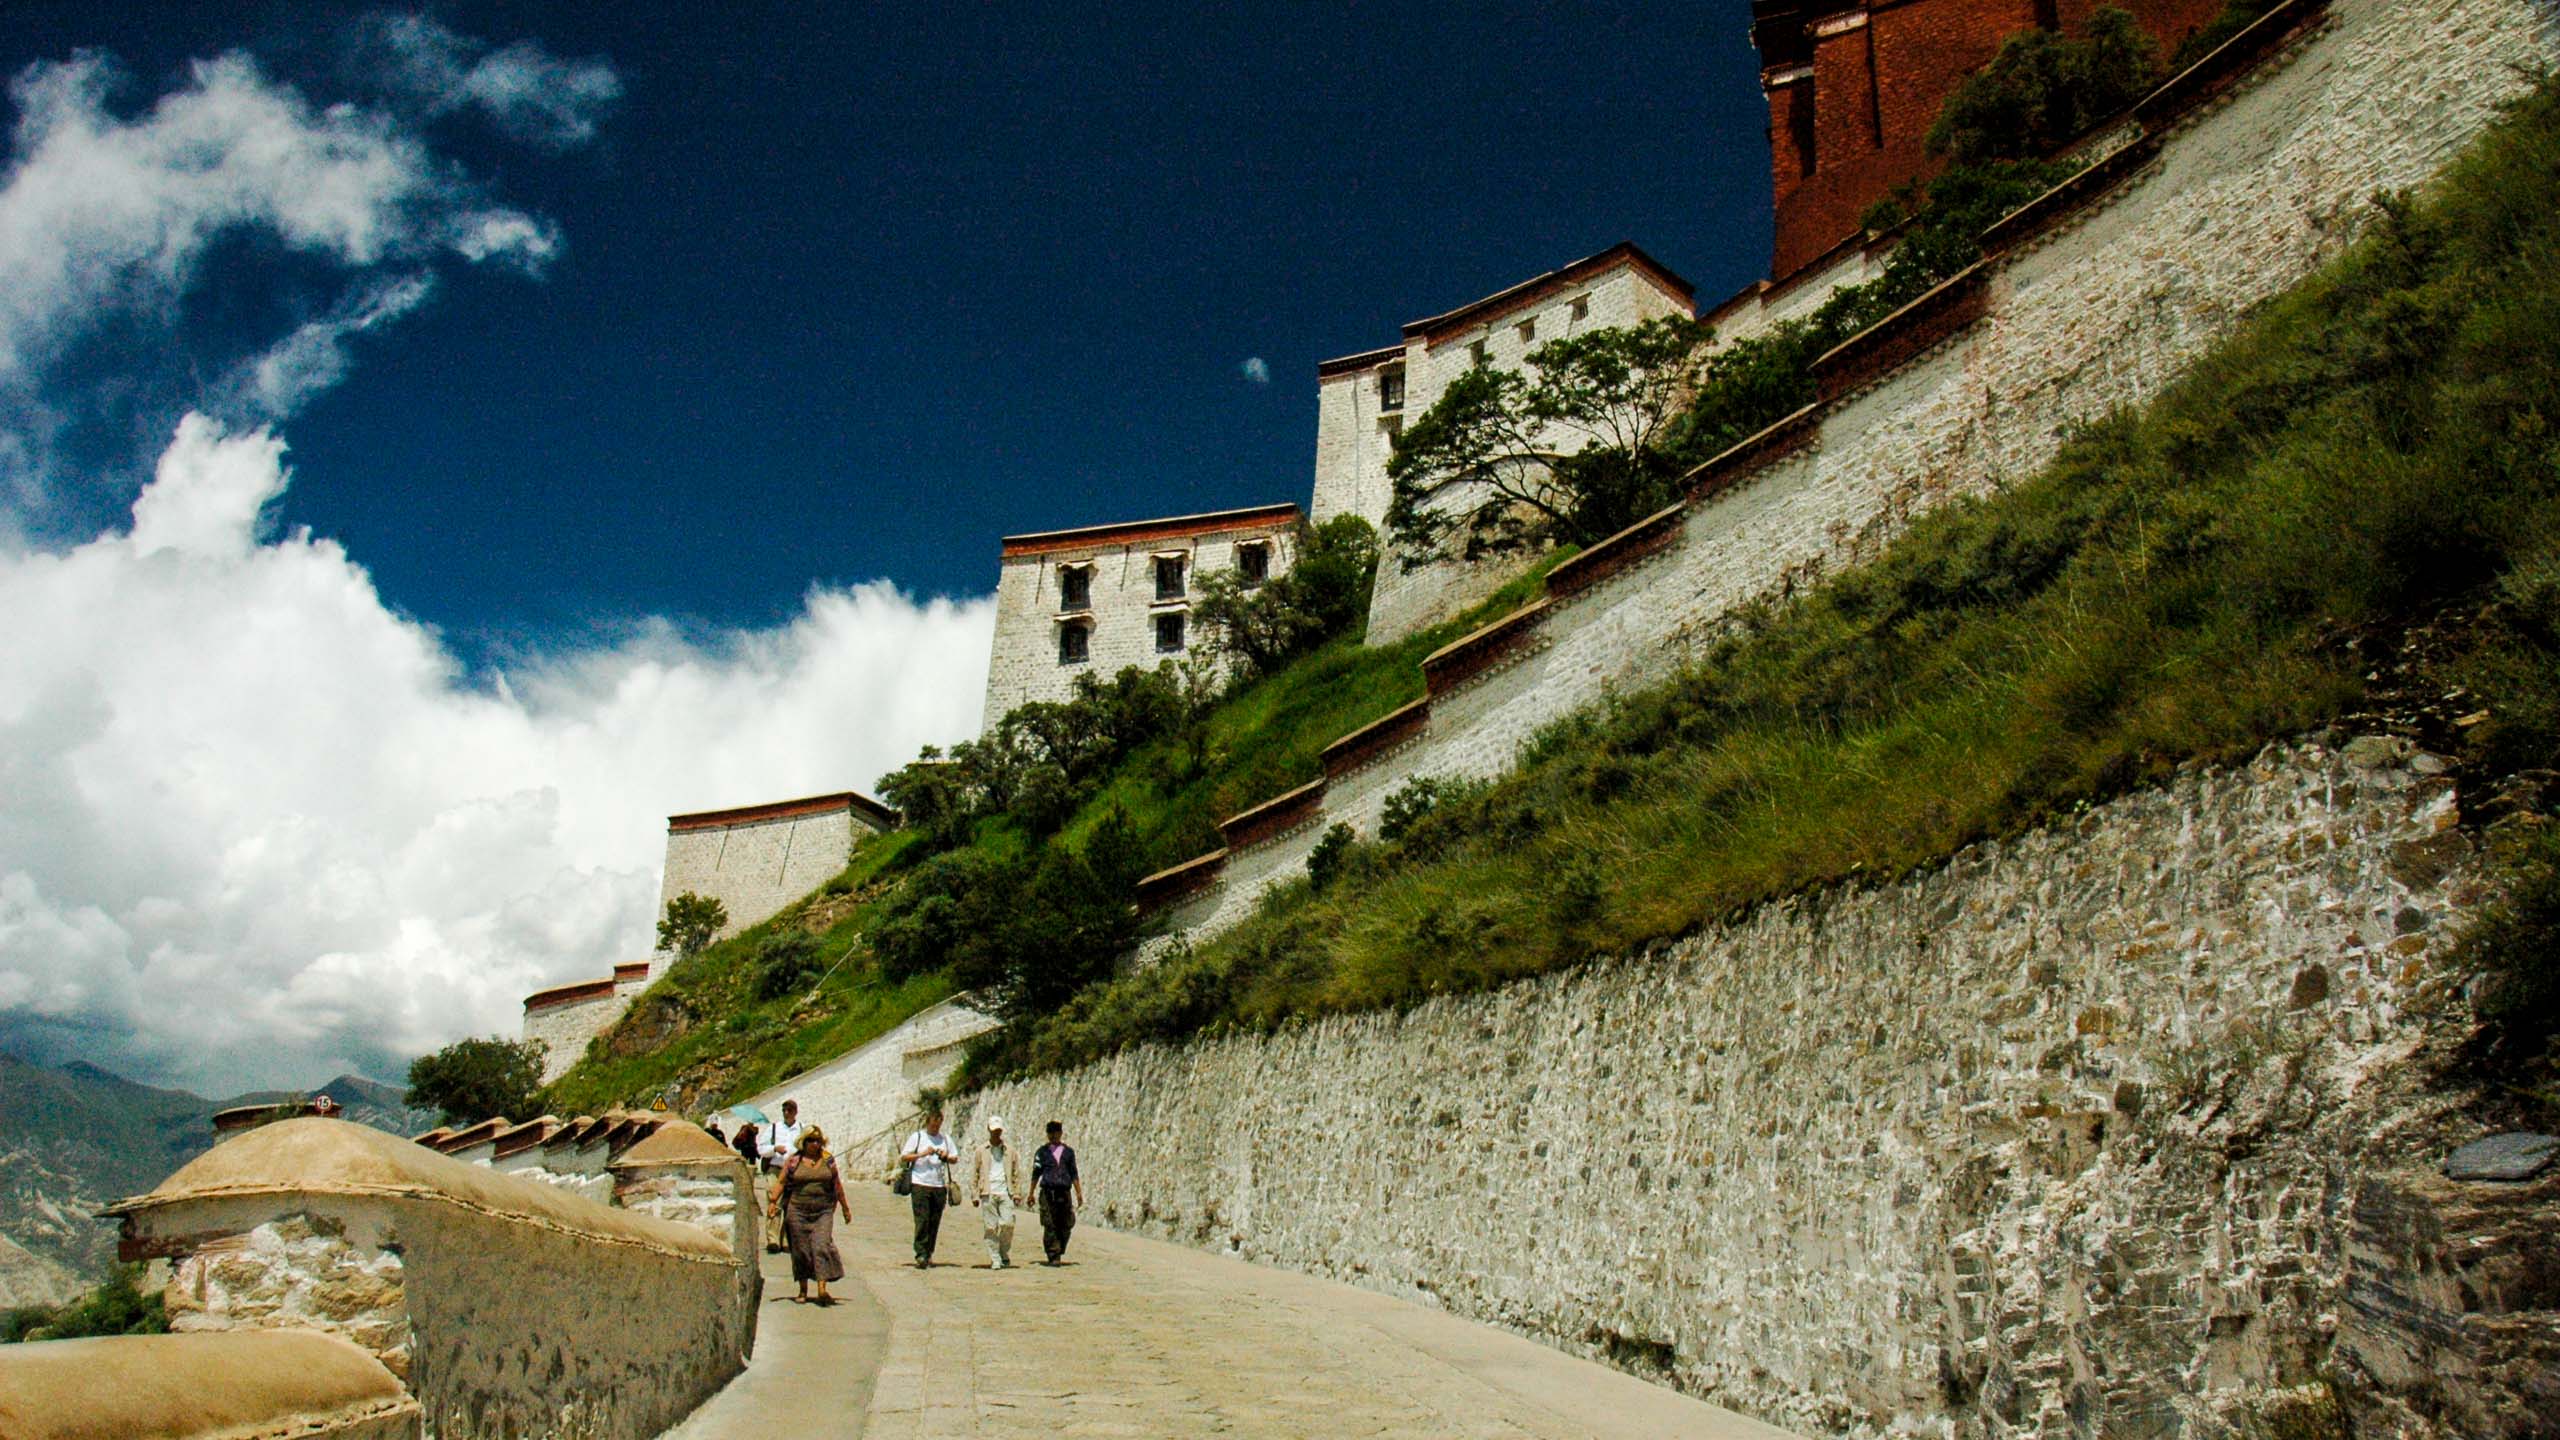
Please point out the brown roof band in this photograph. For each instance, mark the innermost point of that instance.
(567, 994)
(1133, 532)
(783, 810)
(1351, 364)
(1528, 292)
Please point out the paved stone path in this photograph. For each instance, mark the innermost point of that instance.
(1140, 1338)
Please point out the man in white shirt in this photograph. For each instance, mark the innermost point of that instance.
(930, 1157)
(782, 1138)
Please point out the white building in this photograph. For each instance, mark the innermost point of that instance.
(1363, 402)
(754, 860)
(1095, 600)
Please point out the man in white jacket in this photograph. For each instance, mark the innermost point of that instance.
(996, 1189)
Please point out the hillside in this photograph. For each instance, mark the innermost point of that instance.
(74, 1139)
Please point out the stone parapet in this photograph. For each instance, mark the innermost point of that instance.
(247, 1385)
(512, 1307)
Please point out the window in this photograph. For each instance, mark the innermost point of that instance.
(1253, 564)
(1169, 577)
(1581, 307)
(1391, 389)
(1075, 644)
(1480, 353)
(1169, 633)
(1528, 331)
(1075, 587)
(1393, 429)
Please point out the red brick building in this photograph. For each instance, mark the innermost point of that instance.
(1854, 85)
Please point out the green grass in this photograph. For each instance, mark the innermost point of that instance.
(1269, 736)
(702, 1036)
(2378, 450)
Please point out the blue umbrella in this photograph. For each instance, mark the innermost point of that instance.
(749, 1113)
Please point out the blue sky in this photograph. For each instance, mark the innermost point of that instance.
(435, 446)
(844, 292)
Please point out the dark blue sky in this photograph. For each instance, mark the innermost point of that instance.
(851, 290)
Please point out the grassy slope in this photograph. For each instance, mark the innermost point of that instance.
(2378, 450)
(702, 1036)
(1267, 737)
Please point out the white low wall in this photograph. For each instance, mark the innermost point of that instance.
(862, 1095)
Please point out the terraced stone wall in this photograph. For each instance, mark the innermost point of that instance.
(2072, 1136)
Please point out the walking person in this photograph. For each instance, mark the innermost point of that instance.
(930, 1154)
(746, 1145)
(1054, 1179)
(995, 1187)
(807, 1202)
(782, 1137)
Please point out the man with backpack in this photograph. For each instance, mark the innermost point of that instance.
(929, 1156)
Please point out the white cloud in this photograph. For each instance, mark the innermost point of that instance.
(259, 827)
(1257, 370)
(524, 90)
(107, 216)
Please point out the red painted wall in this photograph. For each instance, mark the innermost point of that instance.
(1878, 78)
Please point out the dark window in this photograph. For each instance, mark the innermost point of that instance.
(1169, 577)
(1800, 127)
(1253, 564)
(1075, 587)
(1075, 644)
(1169, 632)
(1391, 389)
(1480, 353)
(1528, 331)
(1581, 307)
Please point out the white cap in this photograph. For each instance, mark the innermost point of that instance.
(995, 1122)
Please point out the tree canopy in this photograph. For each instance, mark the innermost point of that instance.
(1567, 449)
(472, 1080)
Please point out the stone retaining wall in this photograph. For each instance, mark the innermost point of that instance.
(2053, 1139)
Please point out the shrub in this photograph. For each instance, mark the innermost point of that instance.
(471, 1080)
(2044, 89)
(1324, 594)
(1326, 861)
(690, 922)
(789, 960)
(1407, 804)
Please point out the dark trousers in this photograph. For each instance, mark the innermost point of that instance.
(929, 1202)
(1057, 1220)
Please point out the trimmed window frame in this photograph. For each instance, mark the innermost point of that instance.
(1180, 627)
(1075, 643)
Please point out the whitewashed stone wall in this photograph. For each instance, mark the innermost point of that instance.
(2046, 1141)
(296, 1272)
(1406, 599)
(565, 1028)
(2245, 203)
(756, 867)
(1025, 666)
(864, 1095)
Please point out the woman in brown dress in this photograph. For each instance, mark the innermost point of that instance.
(807, 1200)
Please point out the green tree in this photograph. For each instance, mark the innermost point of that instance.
(1567, 450)
(2045, 89)
(1325, 593)
(471, 1080)
(690, 922)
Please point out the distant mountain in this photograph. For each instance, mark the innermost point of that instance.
(75, 1139)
